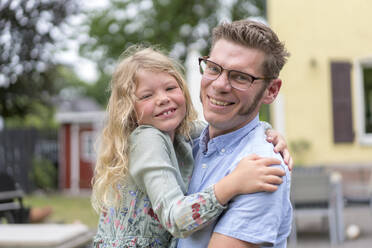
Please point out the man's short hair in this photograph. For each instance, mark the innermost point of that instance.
(255, 35)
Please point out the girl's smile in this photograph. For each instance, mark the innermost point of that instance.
(166, 113)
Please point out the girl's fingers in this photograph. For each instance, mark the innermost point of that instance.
(269, 187)
(275, 171)
(252, 157)
(274, 180)
(269, 161)
(286, 156)
(249, 159)
(271, 138)
(287, 159)
(280, 147)
(290, 164)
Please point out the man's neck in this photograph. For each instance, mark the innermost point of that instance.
(215, 132)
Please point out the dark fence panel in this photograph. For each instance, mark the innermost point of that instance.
(18, 147)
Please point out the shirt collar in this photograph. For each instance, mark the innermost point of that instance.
(224, 143)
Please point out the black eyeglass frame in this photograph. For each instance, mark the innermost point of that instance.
(205, 58)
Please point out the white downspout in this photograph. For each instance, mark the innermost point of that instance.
(279, 114)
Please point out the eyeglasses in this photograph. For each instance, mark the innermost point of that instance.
(237, 79)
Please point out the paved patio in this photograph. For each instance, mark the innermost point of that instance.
(313, 233)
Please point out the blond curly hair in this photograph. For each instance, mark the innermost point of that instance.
(111, 170)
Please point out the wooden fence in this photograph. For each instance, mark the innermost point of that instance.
(18, 147)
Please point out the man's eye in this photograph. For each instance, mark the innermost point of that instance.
(213, 69)
(240, 78)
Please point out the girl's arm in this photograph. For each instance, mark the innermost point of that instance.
(279, 142)
(252, 174)
(153, 170)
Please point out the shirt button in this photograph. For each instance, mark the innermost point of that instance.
(204, 166)
(223, 150)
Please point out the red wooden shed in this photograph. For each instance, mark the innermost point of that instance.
(80, 122)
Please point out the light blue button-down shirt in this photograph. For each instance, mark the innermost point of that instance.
(261, 218)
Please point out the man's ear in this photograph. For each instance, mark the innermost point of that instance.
(272, 91)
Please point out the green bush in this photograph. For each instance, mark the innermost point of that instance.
(44, 173)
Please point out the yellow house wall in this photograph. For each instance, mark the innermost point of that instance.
(317, 32)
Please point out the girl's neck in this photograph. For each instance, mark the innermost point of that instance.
(171, 135)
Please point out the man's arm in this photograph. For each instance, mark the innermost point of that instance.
(221, 241)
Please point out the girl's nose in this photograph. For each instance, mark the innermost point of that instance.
(162, 98)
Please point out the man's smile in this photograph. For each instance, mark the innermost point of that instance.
(219, 102)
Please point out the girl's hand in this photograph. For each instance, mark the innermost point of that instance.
(252, 174)
(280, 145)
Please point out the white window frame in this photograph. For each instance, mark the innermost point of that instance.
(87, 144)
(363, 137)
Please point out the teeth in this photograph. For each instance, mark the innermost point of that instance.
(214, 101)
(168, 112)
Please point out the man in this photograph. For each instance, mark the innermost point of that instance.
(240, 74)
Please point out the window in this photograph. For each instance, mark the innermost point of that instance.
(88, 153)
(367, 87)
(364, 96)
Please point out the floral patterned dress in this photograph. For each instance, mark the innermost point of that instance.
(154, 206)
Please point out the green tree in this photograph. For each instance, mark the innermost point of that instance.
(175, 25)
(29, 31)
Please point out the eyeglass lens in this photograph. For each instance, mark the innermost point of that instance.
(212, 71)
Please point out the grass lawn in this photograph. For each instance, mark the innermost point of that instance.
(66, 208)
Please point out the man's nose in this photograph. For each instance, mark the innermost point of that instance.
(222, 82)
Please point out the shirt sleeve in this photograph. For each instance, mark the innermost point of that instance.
(257, 218)
(151, 168)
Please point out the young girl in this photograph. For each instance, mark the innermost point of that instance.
(145, 159)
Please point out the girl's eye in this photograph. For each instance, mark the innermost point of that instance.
(171, 88)
(145, 96)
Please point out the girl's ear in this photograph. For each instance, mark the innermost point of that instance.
(272, 91)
